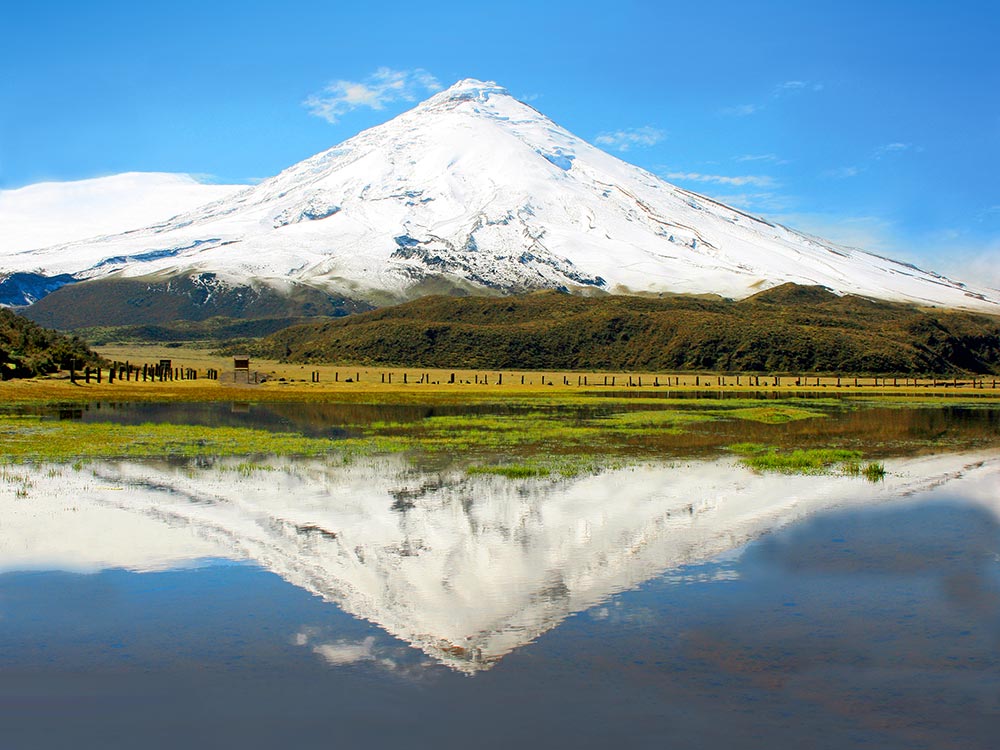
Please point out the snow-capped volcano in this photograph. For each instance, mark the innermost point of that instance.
(473, 190)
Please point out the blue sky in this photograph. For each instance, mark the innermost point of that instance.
(872, 123)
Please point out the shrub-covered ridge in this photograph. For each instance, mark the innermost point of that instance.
(27, 349)
(786, 329)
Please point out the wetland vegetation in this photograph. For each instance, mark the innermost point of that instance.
(516, 437)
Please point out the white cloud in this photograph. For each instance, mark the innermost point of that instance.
(843, 173)
(892, 148)
(760, 202)
(742, 110)
(718, 179)
(780, 90)
(623, 140)
(853, 170)
(794, 87)
(346, 652)
(962, 255)
(790, 86)
(872, 233)
(767, 158)
(401, 661)
(975, 266)
(382, 87)
(988, 213)
(947, 251)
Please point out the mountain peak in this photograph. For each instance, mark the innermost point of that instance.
(468, 89)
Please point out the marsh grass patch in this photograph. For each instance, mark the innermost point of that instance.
(873, 471)
(49, 440)
(799, 461)
(557, 467)
(511, 471)
(772, 414)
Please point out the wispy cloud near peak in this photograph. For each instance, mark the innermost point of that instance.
(892, 148)
(843, 173)
(762, 158)
(742, 110)
(382, 87)
(623, 140)
(793, 87)
(719, 179)
(780, 90)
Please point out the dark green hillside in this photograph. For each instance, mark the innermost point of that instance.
(154, 300)
(211, 331)
(786, 329)
(27, 349)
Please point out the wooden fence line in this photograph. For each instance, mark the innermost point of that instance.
(161, 373)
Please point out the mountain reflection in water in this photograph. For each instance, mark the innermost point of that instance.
(466, 568)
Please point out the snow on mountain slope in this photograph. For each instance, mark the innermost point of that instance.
(48, 213)
(472, 189)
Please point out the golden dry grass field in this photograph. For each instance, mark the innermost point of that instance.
(348, 382)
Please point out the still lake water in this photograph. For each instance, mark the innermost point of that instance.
(681, 603)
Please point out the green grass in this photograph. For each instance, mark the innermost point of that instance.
(487, 433)
(21, 482)
(799, 461)
(636, 422)
(550, 466)
(35, 439)
(771, 413)
(567, 433)
(248, 468)
(872, 471)
(511, 471)
(561, 436)
(808, 461)
(527, 433)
